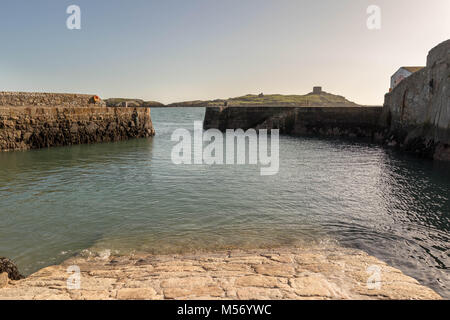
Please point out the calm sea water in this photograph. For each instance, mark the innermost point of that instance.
(128, 197)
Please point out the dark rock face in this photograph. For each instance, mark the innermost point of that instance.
(417, 111)
(304, 121)
(10, 268)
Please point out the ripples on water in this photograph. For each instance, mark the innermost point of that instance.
(128, 196)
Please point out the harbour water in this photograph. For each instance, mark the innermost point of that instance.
(129, 197)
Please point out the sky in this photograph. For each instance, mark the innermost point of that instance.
(179, 50)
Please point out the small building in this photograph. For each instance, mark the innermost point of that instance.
(402, 73)
(317, 90)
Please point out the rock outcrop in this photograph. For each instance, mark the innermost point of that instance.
(31, 121)
(289, 273)
(131, 103)
(417, 111)
(8, 267)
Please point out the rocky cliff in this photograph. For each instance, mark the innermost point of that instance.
(417, 111)
(31, 121)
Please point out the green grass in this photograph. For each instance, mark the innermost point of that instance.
(284, 100)
(271, 100)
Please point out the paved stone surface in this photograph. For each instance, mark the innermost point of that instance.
(3, 279)
(288, 273)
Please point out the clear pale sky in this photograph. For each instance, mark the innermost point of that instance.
(170, 50)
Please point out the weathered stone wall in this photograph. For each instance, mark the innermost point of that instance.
(417, 111)
(32, 127)
(323, 121)
(223, 118)
(45, 99)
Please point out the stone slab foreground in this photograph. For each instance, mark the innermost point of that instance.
(287, 273)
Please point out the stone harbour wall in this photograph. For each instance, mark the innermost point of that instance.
(417, 111)
(20, 99)
(356, 121)
(32, 127)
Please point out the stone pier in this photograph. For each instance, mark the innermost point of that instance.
(40, 120)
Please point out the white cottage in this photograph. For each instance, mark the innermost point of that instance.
(402, 73)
